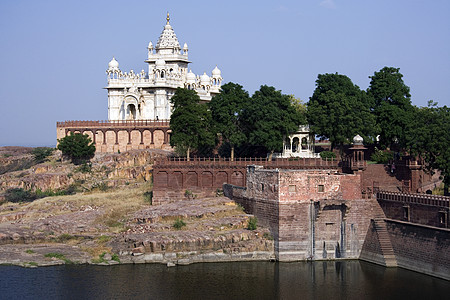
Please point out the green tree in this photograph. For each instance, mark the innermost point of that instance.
(338, 110)
(190, 122)
(391, 104)
(298, 104)
(226, 109)
(40, 154)
(429, 137)
(270, 116)
(78, 147)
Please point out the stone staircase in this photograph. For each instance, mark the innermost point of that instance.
(385, 242)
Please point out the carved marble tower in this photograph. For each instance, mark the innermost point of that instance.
(145, 96)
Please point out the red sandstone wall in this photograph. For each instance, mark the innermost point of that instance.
(421, 214)
(172, 181)
(380, 175)
(306, 222)
(303, 185)
(421, 248)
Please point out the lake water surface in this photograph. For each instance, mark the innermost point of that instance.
(243, 280)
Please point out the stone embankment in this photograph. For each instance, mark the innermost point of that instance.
(215, 231)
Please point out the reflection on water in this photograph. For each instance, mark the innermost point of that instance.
(245, 280)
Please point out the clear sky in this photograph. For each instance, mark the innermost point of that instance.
(54, 54)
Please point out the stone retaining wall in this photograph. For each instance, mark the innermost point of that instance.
(421, 248)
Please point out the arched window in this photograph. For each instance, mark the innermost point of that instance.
(304, 143)
(295, 143)
(131, 110)
(287, 143)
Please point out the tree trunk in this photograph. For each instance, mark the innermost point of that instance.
(232, 153)
(188, 152)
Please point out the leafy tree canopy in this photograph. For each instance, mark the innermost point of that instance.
(391, 103)
(339, 110)
(78, 147)
(270, 116)
(227, 109)
(429, 137)
(190, 122)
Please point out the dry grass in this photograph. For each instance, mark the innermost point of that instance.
(116, 204)
(96, 251)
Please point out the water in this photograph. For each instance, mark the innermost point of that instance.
(244, 280)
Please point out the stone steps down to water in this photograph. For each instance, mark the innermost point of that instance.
(385, 243)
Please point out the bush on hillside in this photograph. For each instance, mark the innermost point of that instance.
(252, 223)
(77, 147)
(16, 195)
(40, 154)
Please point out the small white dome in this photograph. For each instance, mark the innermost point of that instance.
(204, 78)
(190, 77)
(216, 71)
(358, 140)
(160, 62)
(185, 47)
(113, 64)
(150, 45)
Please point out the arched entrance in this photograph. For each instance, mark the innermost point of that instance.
(131, 112)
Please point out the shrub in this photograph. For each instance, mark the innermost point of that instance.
(188, 194)
(148, 196)
(252, 223)
(268, 236)
(77, 147)
(40, 154)
(29, 251)
(115, 257)
(327, 155)
(19, 195)
(58, 256)
(104, 238)
(64, 238)
(101, 186)
(179, 223)
(55, 255)
(84, 168)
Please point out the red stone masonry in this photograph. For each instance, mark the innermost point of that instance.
(204, 176)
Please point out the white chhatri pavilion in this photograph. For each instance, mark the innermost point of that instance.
(145, 96)
(299, 144)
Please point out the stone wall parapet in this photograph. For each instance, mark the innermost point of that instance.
(112, 123)
(280, 163)
(423, 199)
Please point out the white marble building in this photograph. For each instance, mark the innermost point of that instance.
(145, 96)
(299, 144)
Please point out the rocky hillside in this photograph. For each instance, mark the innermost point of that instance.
(106, 170)
(107, 216)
